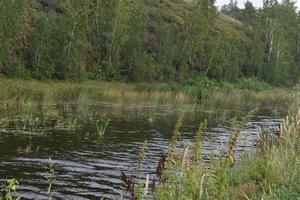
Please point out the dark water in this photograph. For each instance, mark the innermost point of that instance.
(88, 167)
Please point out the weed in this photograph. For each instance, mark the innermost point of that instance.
(101, 128)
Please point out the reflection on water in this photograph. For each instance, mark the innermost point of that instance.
(89, 168)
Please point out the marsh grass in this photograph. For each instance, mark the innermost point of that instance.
(248, 100)
(20, 92)
(69, 95)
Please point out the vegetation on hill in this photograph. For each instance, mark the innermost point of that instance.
(150, 40)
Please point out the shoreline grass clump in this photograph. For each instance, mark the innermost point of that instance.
(273, 172)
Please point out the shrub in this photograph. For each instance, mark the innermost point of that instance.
(16, 69)
(253, 84)
(201, 87)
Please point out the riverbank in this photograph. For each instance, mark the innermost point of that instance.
(273, 172)
(211, 98)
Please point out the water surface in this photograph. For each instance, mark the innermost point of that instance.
(88, 167)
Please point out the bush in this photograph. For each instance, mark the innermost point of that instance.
(152, 87)
(253, 84)
(201, 87)
(16, 69)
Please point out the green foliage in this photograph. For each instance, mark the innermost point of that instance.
(43, 45)
(101, 128)
(201, 87)
(150, 41)
(16, 68)
(9, 187)
(50, 178)
(72, 41)
(11, 36)
(253, 84)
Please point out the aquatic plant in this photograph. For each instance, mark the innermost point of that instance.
(101, 128)
(50, 178)
(8, 190)
(137, 190)
(129, 185)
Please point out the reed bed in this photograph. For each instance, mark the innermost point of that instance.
(247, 100)
(61, 93)
(35, 92)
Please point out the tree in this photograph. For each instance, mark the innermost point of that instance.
(231, 9)
(11, 36)
(71, 41)
(43, 45)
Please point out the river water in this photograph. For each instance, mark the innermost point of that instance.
(89, 167)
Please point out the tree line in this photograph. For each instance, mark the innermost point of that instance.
(127, 40)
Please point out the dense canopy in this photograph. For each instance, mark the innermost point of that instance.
(150, 40)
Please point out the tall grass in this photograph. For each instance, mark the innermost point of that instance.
(17, 92)
(273, 172)
(248, 100)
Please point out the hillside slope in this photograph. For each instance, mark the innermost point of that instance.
(149, 40)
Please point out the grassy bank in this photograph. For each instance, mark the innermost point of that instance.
(272, 173)
(117, 93)
(207, 96)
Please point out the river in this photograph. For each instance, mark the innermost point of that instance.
(89, 167)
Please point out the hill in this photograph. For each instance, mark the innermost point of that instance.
(149, 40)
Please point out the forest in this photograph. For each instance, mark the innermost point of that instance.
(149, 40)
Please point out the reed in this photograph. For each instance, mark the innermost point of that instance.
(247, 100)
